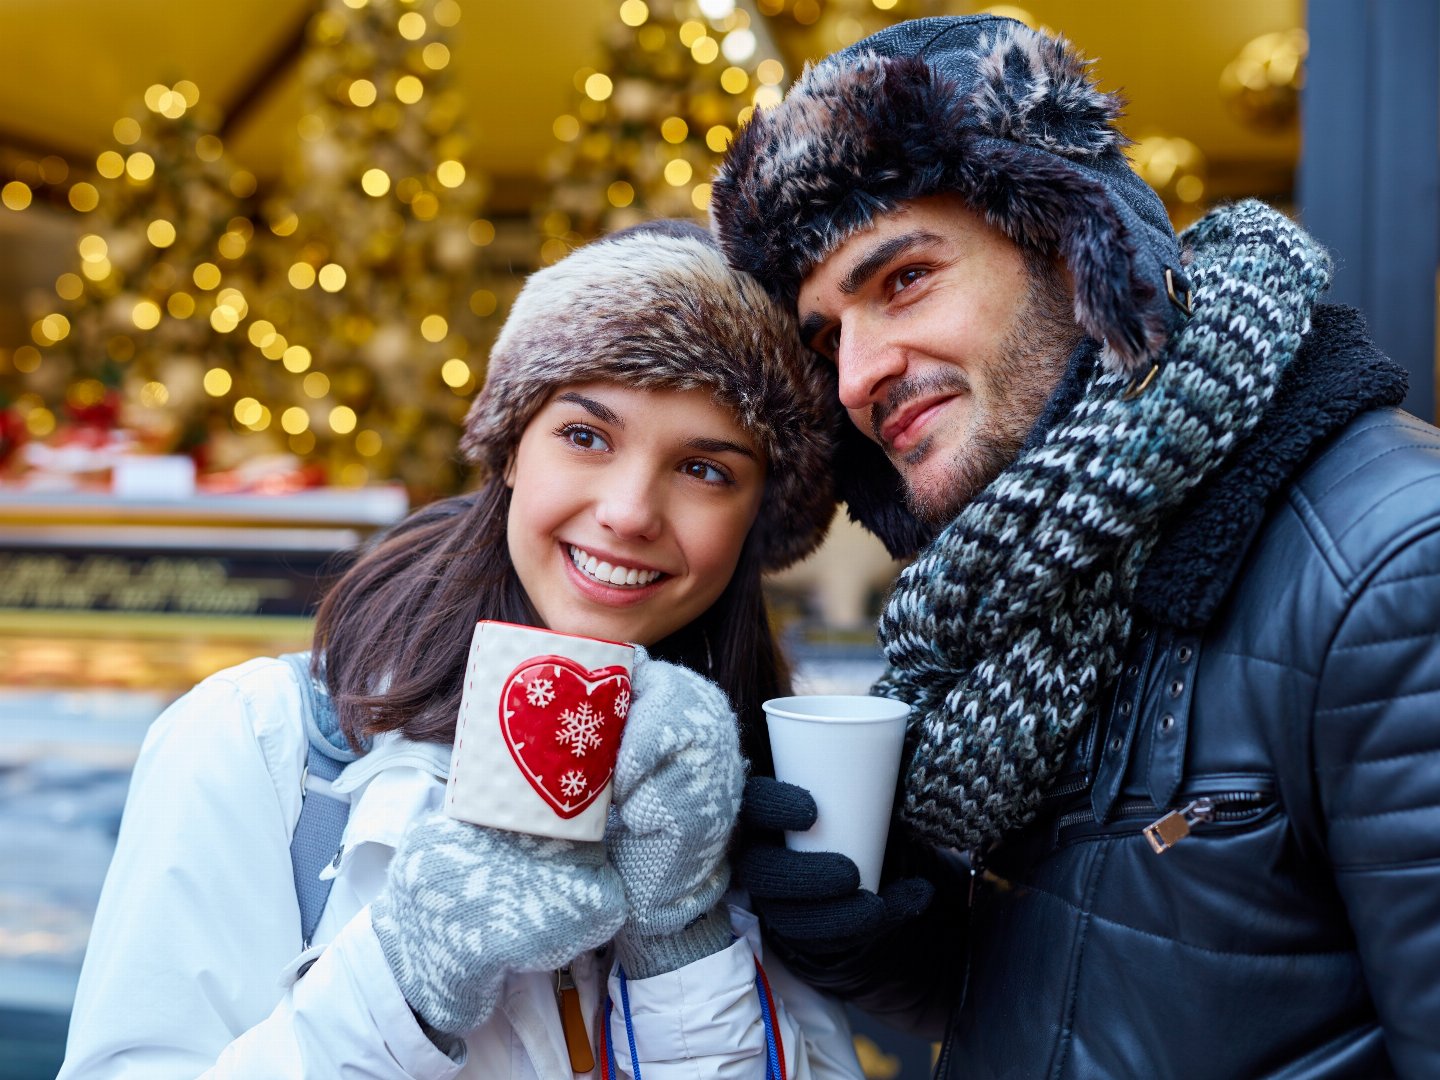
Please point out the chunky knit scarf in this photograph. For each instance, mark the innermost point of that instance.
(1006, 629)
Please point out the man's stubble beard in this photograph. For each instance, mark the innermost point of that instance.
(1029, 365)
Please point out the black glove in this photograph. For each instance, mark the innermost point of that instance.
(811, 901)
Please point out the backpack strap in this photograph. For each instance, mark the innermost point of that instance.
(322, 814)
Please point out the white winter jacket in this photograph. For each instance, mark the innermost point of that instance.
(194, 953)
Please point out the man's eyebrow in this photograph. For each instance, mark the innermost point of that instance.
(873, 262)
(718, 446)
(597, 409)
(881, 254)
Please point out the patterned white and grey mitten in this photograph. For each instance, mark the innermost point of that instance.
(464, 904)
(677, 792)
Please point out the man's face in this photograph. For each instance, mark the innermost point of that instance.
(947, 345)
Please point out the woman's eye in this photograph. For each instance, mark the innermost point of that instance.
(703, 470)
(585, 438)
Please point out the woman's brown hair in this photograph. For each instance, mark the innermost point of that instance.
(393, 633)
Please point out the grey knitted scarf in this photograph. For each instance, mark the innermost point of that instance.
(1006, 629)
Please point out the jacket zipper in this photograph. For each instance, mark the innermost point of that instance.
(1070, 787)
(1171, 827)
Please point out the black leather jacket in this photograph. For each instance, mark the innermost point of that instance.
(1239, 874)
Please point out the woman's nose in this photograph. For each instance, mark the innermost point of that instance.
(631, 504)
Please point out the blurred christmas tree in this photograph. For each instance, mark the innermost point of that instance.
(145, 309)
(377, 298)
(676, 79)
(347, 329)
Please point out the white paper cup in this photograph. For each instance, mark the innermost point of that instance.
(539, 730)
(845, 750)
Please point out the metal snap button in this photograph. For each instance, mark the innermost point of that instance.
(1167, 722)
(1184, 653)
(1125, 708)
(1177, 688)
(1115, 744)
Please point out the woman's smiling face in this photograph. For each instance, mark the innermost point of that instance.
(629, 508)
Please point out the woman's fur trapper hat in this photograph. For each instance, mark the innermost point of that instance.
(656, 307)
(1006, 117)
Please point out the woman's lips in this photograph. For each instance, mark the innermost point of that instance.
(604, 592)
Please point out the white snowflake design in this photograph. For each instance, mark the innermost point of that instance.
(540, 692)
(573, 783)
(622, 704)
(580, 728)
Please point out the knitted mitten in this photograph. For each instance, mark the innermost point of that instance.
(677, 791)
(463, 905)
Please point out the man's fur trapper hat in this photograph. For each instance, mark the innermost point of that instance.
(656, 307)
(1004, 116)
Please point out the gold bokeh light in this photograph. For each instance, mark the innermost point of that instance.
(140, 166)
(15, 195)
(362, 93)
(450, 173)
(83, 197)
(217, 382)
(331, 277)
(160, 233)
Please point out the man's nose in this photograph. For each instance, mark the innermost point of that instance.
(866, 362)
(630, 504)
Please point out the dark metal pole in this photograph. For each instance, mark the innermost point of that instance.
(1369, 181)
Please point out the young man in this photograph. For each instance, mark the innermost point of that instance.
(1172, 635)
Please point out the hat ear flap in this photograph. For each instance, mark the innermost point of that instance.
(874, 494)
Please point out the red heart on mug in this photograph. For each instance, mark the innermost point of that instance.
(562, 724)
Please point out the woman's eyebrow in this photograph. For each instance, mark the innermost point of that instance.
(719, 446)
(597, 409)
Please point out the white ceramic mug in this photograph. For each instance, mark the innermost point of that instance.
(539, 730)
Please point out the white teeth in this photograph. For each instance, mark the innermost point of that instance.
(611, 575)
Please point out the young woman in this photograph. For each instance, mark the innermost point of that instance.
(650, 443)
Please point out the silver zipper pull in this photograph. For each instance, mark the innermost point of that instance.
(1175, 826)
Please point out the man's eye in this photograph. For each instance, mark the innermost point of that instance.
(905, 278)
(829, 342)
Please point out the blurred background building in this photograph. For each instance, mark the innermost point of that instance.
(252, 256)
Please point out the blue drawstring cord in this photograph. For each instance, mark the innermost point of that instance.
(629, 1026)
(774, 1070)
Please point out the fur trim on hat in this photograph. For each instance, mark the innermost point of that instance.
(656, 307)
(1004, 116)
